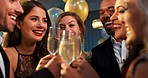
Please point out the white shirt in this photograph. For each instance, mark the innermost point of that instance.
(121, 52)
(2, 65)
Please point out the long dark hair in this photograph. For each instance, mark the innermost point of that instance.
(14, 38)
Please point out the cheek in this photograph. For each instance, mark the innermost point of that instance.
(120, 17)
(101, 18)
(45, 27)
(76, 29)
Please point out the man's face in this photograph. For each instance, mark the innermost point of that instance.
(9, 10)
(106, 11)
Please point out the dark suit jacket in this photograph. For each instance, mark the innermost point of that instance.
(6, 62)
(104, 60)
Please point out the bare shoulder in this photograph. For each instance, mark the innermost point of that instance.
(141, 70)
(13, 58)
(11, 52)
(141, 66)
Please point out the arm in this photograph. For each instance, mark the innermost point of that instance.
(51, 67)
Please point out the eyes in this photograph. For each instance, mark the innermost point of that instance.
(110, 10)
(121, 9)
(63, 27)
(34, 19)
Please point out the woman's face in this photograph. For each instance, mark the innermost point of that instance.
(34, 25)
(133, 22)
(69, 23)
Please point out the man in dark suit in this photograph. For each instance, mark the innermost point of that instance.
(108, 57)
(9, 11)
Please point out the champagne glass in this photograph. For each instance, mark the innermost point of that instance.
(53, 40)
(78, 43)
(67, 46)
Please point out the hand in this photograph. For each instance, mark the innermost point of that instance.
(69, 72)
(54, 65)
(84, 68)
(43, 61)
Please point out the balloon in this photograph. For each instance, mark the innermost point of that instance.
(79, 7)
(53, 13)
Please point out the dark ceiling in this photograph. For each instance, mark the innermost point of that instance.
(92, 4)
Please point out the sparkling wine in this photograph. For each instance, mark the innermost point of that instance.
(53, 45)
(67, 51)
(77, 48)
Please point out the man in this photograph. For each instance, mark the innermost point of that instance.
(108, 57)
(9, 11)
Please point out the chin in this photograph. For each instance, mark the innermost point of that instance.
(129, 41)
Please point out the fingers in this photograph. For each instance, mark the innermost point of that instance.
(78, 63)
(69, 72)
(64, 67)
(54, 65)
(43, 61)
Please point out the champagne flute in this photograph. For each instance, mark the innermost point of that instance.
(78, 43)
(53, 40)
(67, 46)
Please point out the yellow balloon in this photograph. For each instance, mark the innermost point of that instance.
(79, 7)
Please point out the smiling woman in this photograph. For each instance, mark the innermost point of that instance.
(27, 44)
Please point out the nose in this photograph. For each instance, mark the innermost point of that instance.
(19, 8)
(114, 16)
(67, 28)
(40, 24)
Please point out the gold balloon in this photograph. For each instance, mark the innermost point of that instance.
(65, 0)
(79, 7)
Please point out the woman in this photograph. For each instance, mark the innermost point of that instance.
(72, 22)
(135, 18)
(27, 44)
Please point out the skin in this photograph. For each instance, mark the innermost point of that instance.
(31, 27)
(140, 70)
(119, 27)
(34, 25)
(52, 63)
(135, 26)
(133, 22)
(9, 13)
(105, 15)
(69, 23)
(80, 68)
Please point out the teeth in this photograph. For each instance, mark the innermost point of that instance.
(108, 23)
(38, 32)
(13, 17)
(117, 26)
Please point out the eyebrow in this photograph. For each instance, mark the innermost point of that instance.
(120, 6)
(107, 8)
